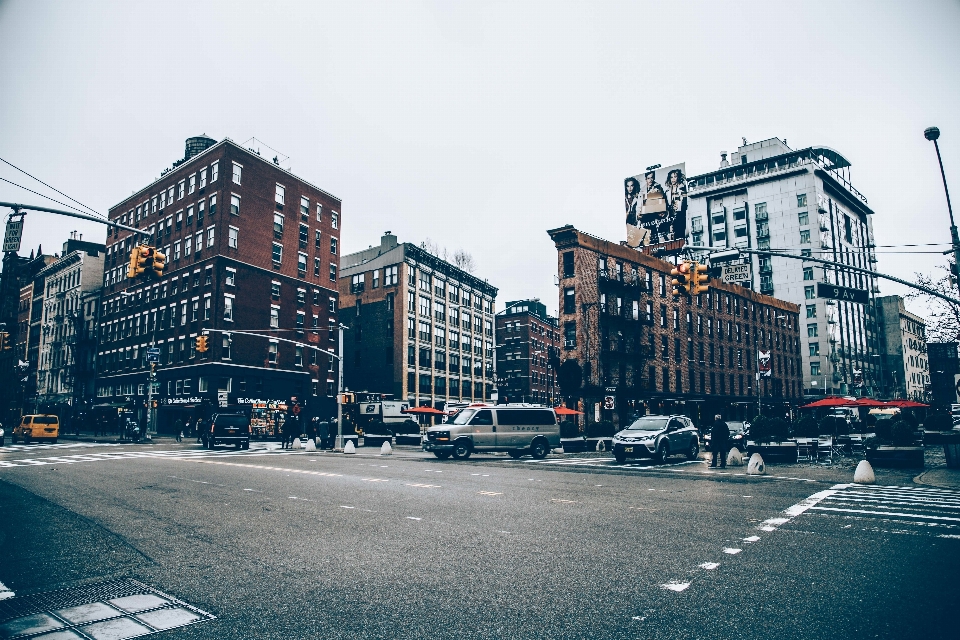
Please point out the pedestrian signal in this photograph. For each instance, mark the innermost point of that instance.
(681, 279)
(202, 344)
(699, 279)
(158, 264)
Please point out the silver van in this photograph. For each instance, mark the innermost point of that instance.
(516, 429)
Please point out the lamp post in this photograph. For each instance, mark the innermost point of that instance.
(932, 134)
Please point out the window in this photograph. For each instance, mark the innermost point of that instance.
(203, 177)
(804, 236)
(225, 348)
(301, 296)
(277, 254)
(180, 189)
(207, 307)
(334, 219)
(231, 278)
(808, 293)
(304, 209)
(214, 171)
(302, 264)
(804, 218)
(304, 236)
(233, 236)
(801, 199)
(298, 356)
(316, 242)
(719, 236)
(274, 316)
(333, 246)
(570, 334)
(569, 300)
(568, 268)
(278, 225)
(195, 311)
(740, 232)
(274, 290)
(234, 204)
(333, 272)
(316, 267)
(814, 348)
(213, 207)
(376, 279)
(198, 241)
(237, 171)
(319, 212)
(808, 273)
(193, 183)
(806, 253)
(210, 238)
(811, 311)
(740, 214)
(272, 352)
(279, 195)
(812, 331)
(814, 368)
(390, 275)
(176, 250)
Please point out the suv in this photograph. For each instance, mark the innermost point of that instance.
(37, 427)
(516, 429)
(228, 428)
(657, 437)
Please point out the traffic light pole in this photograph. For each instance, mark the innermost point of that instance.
(73, 214)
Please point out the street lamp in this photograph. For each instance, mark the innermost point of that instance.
(932, 134)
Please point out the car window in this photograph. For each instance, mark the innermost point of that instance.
(45, 420)
(674, 424)
(463, 416)
(649, 424)
(509, 417)
(484, 417)
(234, 421)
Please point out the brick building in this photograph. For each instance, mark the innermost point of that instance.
(421, 329)
(631, 340)
(528, 352)
(250, 247)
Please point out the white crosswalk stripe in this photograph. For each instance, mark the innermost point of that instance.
(42, 446)
(918, 506)
(605, 462)
(130, 454)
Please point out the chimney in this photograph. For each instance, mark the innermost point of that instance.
(388, 241)
(723, 160)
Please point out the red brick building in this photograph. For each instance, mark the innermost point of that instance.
(528, 352)
(630, 340)
(250, 247)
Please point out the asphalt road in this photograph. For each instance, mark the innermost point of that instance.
(296, 545)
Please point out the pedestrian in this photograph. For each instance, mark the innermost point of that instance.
(197, 427)
(313, 429)
(719, 441)
(323, 432)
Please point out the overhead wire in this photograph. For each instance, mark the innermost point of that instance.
(54, 188)
(68, 206)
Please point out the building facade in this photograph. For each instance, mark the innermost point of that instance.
(69, 281)
(252, 262)
(906, 370)
(635, 349)
(528, 352)
(944, 364)
(420, 328)
(769, 196)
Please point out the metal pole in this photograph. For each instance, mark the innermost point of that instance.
(953, 227)
(340, 395)
(74, 214)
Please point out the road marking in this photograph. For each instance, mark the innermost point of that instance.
(562, 501)
(892, 514)
(710, 566)
(424, 486)
(675, 586)
(374, 480)
(948, 535)
(489, 493)
(412, 518)
(771, 524)
(343, 506)
(731, 551)
(752, 539)
(918, 506)
(5, 592)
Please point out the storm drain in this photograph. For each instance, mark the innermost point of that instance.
(110, 610)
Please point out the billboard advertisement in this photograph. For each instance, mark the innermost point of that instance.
(656, 206)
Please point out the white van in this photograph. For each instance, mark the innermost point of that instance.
(515, 429)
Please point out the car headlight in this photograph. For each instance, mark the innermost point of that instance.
(1, 432)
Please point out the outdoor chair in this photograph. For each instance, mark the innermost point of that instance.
(806, 449)
(825, 449)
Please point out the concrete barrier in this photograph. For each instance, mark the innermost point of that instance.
(386, 449)
(756, 467)
(601, 446)
(349, 448)
(311, 445)
(864, 473)
(735, 458)
(296, 444)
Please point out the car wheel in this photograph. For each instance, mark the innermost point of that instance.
(239, 446)
(621, 458)
(694, 449)
(461, 449)
(515, 454)
(662, 452)
(539, 449)
(443, 455)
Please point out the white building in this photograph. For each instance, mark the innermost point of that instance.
(68, 283)
(769, 196)
(906, 371)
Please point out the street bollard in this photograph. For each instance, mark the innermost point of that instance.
(311, 445)
(864, 473)
(349, 448)
(386, 449)
(735, 458)
(296, 444)
(756, 467)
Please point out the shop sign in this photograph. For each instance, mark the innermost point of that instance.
(222, 398)
(173, 401)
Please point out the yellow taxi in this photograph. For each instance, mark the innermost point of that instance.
(37, 427)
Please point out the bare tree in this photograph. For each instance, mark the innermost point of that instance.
(432, 247)
(464, 261)
(943, 323)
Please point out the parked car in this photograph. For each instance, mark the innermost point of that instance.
(516, 429)
(37, 427)
(738, 435)
(1, 435)
(657, 437)
(229, 428)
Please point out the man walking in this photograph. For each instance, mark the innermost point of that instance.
(719, 441)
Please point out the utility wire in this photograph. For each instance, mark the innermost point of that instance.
(54, 188)
(45, 196)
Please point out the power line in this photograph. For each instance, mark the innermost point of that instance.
(54, 188)
(44, 196)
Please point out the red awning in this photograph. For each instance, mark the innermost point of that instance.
(563, 411)
(869, 403)
(906, 404)
(832, 401)
(423, 410)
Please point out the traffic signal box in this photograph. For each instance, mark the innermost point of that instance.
(681, 279)
(202, 344)
(146, 261)
(159, 263)
(5, 341)
(699, 279)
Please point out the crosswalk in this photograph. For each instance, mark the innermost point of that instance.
(919, 508)
(43, 446)
(605, 462)
(41, 459)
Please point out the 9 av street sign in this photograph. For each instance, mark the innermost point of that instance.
(846, 294)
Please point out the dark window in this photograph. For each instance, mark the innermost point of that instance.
(484, 417)
(511, 417)
(569, 300)
(568, 271)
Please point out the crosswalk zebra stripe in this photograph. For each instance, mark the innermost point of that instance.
(893, 514)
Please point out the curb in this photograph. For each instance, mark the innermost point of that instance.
(934, 481)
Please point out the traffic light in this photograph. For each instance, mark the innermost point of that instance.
(698, 279)
(681, 279)
(5, 341)
(134, 261)
(159, 263)
(202, 344)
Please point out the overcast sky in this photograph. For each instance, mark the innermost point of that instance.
(481, 125)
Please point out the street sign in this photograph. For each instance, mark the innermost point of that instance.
(763, 364)
(956, 384)
(153, 355)
(222, 398)
(846, 294)
(11, 239)
(735, 273)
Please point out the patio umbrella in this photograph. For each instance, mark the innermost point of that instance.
(563, 411)
(424, 411)
(906, 404)
(832, 401)
(869, 403)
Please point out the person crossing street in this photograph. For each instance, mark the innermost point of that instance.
(719, 441)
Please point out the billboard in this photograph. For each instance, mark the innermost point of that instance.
(656, 206)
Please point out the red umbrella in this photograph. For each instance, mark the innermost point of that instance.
(424, 410)
(831, 401)
(907, 404)
(869, 402)
(563, 411)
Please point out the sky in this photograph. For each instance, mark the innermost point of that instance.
(480, 125)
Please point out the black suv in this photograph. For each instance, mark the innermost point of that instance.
(228, 428)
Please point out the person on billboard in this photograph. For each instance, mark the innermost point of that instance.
(672, 226)
(631, 197)
(653, 207)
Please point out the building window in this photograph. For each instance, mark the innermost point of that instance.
(210, 238)
(808, 293)
(180, 189)
(214, 171)
(279, 194)
(227, 342)
(272, 352)
(569, 300)
(274, 290)
(228, 307)
(301, 264)
(304, 235)
(814, 368)
(304, 209)
(334, 219)
(812, 331)
(277, 254)
(233, 237)
(213, 207)
(808, 273)
(801, 199)
(333, 272)
(390, 275)
(319, 212)
(274, 316)
(203, 177)
(207, 307)
(804, 218)
(193, 183)
(570, 335)
(814, 348)
(804, 236)
(278, 225)
(176, 250)
(316, 267)
(231, 277)
(333, 246)
(375, 282)
(234, 204)
(298, 356)
(811, 311)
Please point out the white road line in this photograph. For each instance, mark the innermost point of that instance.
(675, 586)
(710, 566)
(924, 504)
(752, 539)
(771, 524)
(5, 592)
(888, 513)
(412, 518)
(732, 551)
(489, 493)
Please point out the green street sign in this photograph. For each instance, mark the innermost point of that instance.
(846, 294)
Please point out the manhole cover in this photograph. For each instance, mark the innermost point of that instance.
(110, 610)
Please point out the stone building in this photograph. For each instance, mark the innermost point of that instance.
(905, 368)
(528, 353)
